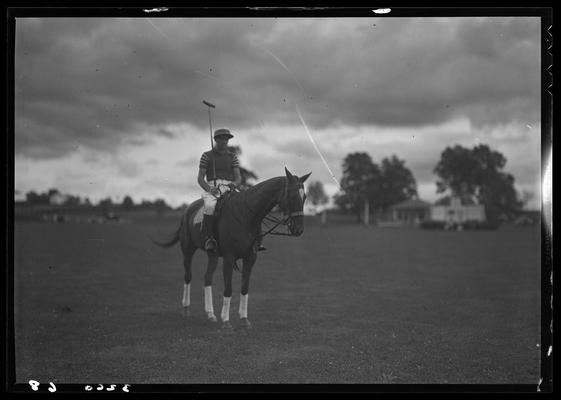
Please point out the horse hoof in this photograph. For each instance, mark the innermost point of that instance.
(226, 325)
(212, 318)
(186, 311)
(244, 323)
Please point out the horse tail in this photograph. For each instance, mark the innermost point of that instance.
(175, 237)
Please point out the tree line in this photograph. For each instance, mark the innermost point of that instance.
(474, 175)
(33, 198)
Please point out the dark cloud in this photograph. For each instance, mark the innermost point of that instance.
(165, 133)
(95, 81)
(136, 141)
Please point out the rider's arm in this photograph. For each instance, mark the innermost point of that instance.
(201, 180)
(237, 176)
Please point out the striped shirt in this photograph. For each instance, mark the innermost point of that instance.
(225, 164)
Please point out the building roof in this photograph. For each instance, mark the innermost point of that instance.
(411, 204)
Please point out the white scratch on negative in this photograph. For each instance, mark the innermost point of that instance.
(156, 28)
(283, 65)
(316, 147)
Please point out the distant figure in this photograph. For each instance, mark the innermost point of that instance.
(111, 216)
(219, 172)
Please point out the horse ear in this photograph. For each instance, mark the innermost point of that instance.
(303, 179)
(288, 174)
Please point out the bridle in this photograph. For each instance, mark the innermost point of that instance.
(288, 214)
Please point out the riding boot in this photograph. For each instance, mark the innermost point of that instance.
(208, 227)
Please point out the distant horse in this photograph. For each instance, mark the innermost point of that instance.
(239, 235)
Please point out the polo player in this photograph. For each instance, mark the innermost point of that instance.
(219, 172)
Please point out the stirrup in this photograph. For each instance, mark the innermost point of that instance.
(211, 244)
(261, 248)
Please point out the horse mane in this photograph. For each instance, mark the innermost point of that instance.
(259, 191)
(263, 188)
(265, 184)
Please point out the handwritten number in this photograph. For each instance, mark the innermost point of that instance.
(89, 388)
(52, 388)
(34, 385)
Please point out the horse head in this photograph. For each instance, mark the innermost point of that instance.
(292, 202)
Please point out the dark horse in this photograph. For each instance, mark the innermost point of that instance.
(239, 235)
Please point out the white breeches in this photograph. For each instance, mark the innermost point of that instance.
(210, 200)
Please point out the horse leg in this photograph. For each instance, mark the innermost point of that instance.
(211, 267)
(248, 263)
(186, 301)
(227, 269)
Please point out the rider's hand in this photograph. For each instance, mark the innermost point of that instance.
(214, 191)
(233, 186)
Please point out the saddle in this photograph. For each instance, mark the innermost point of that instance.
(221, 201)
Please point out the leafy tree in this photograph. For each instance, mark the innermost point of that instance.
(52, 192)
(316, 194)
(447, 200)
(106, 204)
(246, 174)
(72, 200)
(397, 182)
(182, 206)
(128, 203)
(160, 206)
(360, 184)
(317, 197)
(33, 198)
(478, 172)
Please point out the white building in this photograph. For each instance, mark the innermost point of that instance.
(457, 212)
(57, 199)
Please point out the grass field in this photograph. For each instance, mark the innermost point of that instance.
(341, 304)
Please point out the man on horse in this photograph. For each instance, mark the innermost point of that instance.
(219, 172)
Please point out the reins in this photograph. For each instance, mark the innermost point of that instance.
(277, 221)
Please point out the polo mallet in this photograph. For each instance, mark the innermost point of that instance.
(210, 105)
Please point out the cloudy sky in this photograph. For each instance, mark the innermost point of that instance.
(113, 106)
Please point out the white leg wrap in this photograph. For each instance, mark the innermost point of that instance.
(226, 309)
(186, 295)
(208, 300)
(243, 305)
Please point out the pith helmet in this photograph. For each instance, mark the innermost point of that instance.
(222, 132)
